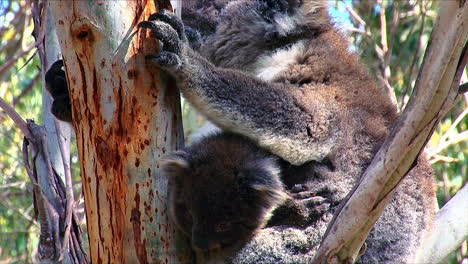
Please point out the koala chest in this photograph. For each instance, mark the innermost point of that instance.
(269, 66)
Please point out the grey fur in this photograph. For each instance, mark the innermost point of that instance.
(221, 199)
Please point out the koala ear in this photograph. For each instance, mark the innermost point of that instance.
(174, 163)
(267, 181)
(272, 195)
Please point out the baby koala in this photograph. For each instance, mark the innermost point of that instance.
(222, 189)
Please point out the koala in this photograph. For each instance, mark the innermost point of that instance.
(56, 84)
(280, 75)
(223, 189)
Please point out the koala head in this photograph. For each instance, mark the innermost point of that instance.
(235, 33)
(221, 191)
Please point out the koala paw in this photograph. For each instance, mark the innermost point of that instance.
(301, 209)
(169, 29)
(316, 205)
(56, 84)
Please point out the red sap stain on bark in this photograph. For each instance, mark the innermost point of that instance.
(60, 22)
(119, 130)
(164, 4)
(107, 155)
(96, 93)
(135, 218)
(132, 74)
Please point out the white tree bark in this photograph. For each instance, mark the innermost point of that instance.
(450, 229)
(126, 116)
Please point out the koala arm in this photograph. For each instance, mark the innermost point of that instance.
(274, 115)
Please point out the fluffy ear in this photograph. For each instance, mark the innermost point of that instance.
(273, 196)
(266, 180)
(312, 12)
(175, 163)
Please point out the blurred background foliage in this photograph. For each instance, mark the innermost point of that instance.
(390, 36)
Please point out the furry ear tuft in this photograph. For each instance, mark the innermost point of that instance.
(313, 12)
(275, 196)
(175, 162)
(270, 184)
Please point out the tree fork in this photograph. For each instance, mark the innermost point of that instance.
(126, 117)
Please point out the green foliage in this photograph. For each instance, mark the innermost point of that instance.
(393, 53)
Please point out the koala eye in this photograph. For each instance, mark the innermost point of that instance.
(223, 227)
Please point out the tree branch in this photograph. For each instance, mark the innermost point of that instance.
(450, 229)
(10, 111)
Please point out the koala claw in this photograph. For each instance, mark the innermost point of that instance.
(166, 59)
(165, 33)
(309, 199)
(170, 18)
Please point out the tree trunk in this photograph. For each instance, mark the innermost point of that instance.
(126, 117)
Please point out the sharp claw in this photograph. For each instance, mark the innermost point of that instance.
(164, 59)
(147, 24)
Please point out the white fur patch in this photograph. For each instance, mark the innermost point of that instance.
(285, 24)
(295, 151)
(269, 66)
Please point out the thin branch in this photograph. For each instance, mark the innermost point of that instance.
(436, 158)
(393, 29)
(355, 16)
(9, 63)
(454, 139)
(454, 125)
(68, 190)
(27, 164)
(26, 90)
(410, 71)
(383, 28)
(10, 111)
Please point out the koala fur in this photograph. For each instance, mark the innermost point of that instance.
(226, 180)
(221, 191)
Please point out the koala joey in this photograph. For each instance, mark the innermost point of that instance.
(223, 189)
(280, 75)
(56, 84)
